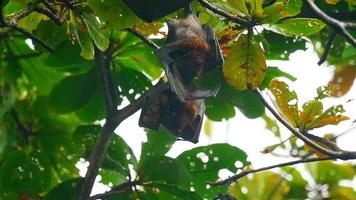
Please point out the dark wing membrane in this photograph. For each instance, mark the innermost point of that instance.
(215, 59)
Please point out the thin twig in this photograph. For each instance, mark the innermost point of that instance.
(245, 173)
(236, 19)
(22, 56)
(327, 49)
(118, 189)
(143, 38)
(341, 154)
(102, 60)
(24, 131)
(339, 26)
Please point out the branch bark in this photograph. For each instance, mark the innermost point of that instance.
(234, 178)
(339, 26)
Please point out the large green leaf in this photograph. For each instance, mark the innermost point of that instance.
(281, 9)
(68, 190)
(95, 32)
(280, 46)
(329, 172)
(114, 13)
(204, 164)
(165, 170)
(118, 156)
(73, 92)
(25, 173)
(218, 109)
(263, 185)
(298, 26)
(158, 144)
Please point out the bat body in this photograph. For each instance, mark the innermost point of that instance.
(191, 49)
(183, 119)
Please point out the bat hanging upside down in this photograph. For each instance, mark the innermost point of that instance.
(183, 119)
(191, 49)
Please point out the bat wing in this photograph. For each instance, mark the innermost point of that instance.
(150, 115)
(183, 91)
(192, 131)
(215, 59)
(173, 76)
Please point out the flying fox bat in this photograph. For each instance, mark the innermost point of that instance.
(183, 119)
(191, 49)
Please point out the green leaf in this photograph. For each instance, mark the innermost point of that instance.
(281, 9)
(68, 190)
(173, 192)
(66, 57)
(115, 14)
(31, 21)
(246, 64)
(8, 96)
(204, 164)
(274, 72)
(271, 124)
(297, 184)
(250, 105)
(298, 26)
(73, 92)
(162, 169)
(256, 8)
(131, 83)
(328, 172)
(83, 38)
(51, 33)
(158, 144)
(29, 173)
(111, 176)
(94, 29)
(94, 109)
(218, 109)
(118, 155)
(261, 185)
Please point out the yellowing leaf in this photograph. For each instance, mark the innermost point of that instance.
(311, 109)
(246, 65)
(286, 100)
(342, 80)
(270, 148)
(239, 5)
(208, 128)
(331, 116)
(332, 2)
(256, 8)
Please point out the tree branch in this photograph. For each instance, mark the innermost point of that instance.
(236, 19)
(337, 153)
(24, 131)
(327, 49)
(339, 26)
(118, 189)
(143, 38)
(245, 173)
(113, 119)
(102, 60)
